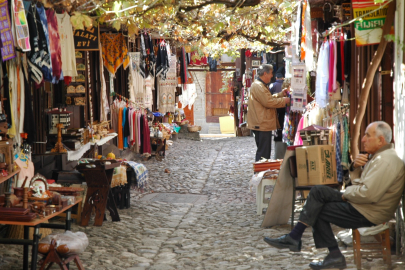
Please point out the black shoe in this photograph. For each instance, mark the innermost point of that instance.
(284, 241)
(330, 262)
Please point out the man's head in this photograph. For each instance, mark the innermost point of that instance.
(279, 76)
(265, 73)
(378, 134)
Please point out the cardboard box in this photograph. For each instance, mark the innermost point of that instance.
(316, 165)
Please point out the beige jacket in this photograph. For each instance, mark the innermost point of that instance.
(377, 189)
(262, 114)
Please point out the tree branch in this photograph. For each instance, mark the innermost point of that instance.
(247, 3)
(225, 36)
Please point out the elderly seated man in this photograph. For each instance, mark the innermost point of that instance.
(377, 185)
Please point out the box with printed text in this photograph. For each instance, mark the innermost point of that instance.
(316, 165)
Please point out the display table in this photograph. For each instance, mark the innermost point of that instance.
(98, 175)
(77, 154)
(36, 223)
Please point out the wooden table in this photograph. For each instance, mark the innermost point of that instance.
(98, 175)
(37, 223)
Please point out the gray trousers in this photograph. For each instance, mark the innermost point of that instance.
(324, 205)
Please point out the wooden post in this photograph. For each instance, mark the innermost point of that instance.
(368, 81)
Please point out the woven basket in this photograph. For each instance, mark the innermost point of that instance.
(193, 128)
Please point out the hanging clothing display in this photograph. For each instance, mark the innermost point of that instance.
(166, 91)
(135, 80)
(20, 26)
(67, 45)
(322, 78)
(35, 55)
(183, 66)
(47, 64)
(115, 52)
(149, 85)
(29, 120)
(7, 41)
(54, 45)
(132, 127)
(189, 96)
(104, 106)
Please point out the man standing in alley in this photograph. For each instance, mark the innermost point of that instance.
(377, 184)
(262, 114)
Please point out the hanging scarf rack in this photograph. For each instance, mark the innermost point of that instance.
(137, 105)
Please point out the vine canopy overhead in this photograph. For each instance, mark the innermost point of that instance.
(214, 26)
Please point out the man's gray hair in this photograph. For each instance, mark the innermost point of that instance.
(383, 129)
(264, 68)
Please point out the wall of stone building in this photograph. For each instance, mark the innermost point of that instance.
(199, 105)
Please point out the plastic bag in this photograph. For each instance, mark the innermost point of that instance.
(66, 243)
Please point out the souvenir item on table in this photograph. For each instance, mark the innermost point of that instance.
(71, 89)
(80, 89)
(80, 101)
(80, 78)
(81, 67)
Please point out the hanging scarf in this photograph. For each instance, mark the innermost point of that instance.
(20, 26)
(7, 44)
(115, 52)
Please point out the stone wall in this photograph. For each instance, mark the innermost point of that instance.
(199, 105)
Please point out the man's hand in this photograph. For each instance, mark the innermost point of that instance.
(344, 199)
(360, 160)
(285, 92)
(287, 100)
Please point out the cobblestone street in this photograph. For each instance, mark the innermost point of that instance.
(210, 223)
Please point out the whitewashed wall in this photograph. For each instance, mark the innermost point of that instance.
(399, 82)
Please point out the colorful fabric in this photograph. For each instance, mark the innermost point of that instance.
(47, 65)
(115, 52)
(339, 170)
(141, 173)
(22, 37)
(7, 43)
(120, 131)
(345, 149)
(119, 177)
(166, 92)
(54, 45)
(35, 55)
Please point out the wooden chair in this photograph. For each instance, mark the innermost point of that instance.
(372, 250)
(54, 257)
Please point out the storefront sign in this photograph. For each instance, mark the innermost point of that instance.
(368, 30)
(87, 39)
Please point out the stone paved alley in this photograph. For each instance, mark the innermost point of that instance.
(212, 226)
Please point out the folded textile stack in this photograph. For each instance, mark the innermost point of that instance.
(269, 164)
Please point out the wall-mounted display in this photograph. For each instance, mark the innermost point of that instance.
(80, 89)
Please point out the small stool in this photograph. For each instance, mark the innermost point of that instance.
(54, 257)
(261, 195)
(374, 249)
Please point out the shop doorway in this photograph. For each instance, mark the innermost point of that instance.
(217, 104)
